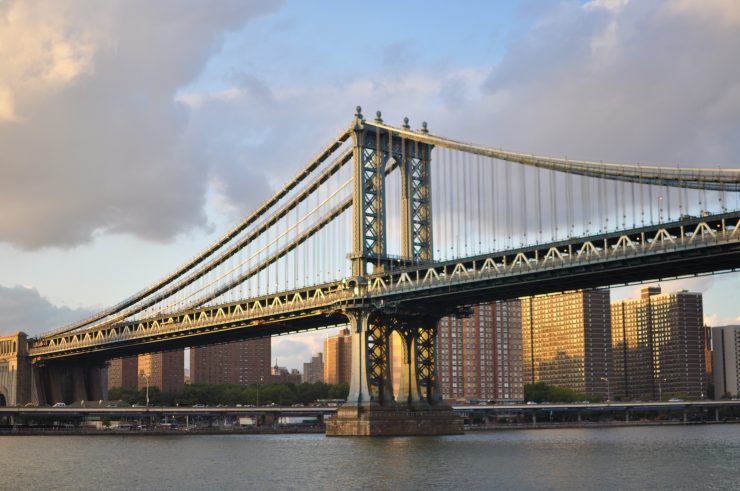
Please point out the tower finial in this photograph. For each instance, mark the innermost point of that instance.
(378, 119)
(406, 124)
(358, 112)
(424, 128)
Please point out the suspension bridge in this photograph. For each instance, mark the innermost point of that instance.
(389, 229)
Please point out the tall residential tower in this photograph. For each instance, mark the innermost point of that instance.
(480, 357)
(658, 345)
(567, 340)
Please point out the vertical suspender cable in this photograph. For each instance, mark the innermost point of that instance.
(538, 199)
(553, 207)
(668, 202)
(494, 208)
(480, 213)
(458, 192)
(523, 206)
(633, 204)
(509, 204)
(464, 170)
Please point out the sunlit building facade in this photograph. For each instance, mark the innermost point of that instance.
(165, 370)
(480, 357)
(659, 343)
(338, 358)
(566, 340)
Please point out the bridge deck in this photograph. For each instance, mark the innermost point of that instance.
(687, 247)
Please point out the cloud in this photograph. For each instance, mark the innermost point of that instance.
(22, 308)
(715, 320)
(91, 134)
(641, 82)
(609, 80)
(701, 284)
(102, 134)
(295, 350)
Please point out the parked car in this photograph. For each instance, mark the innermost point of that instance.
(59, 404)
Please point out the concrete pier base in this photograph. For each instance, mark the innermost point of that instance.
(394, 421)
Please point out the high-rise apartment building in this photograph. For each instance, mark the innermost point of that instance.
(313, 371)
(658, 345)
(165, 370)
(123, 372)
(338, 358)
(566, 340)
(238, 363)
(632, 348)
(480, 357)
(726, 361)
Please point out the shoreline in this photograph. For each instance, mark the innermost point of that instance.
(595, 425)
(321, 430)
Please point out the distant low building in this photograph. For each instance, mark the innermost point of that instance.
(280, 374)
(726, 361)
(313, 371)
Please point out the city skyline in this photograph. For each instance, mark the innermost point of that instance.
(232, 104)
(305, 233)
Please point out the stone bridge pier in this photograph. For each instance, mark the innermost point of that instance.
(371, 409)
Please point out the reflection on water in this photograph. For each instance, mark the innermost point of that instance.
(689, 457)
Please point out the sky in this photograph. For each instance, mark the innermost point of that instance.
(134, 133)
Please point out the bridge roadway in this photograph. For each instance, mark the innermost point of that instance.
(134, 412)
(691, 246)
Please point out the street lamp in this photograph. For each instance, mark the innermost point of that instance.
(146, 378)
(608, 390)
(262, 378)
(660, 388)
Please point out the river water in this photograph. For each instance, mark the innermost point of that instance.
(675, 457)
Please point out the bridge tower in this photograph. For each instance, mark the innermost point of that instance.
(371, 408)
(377, 151)
(15, 370)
